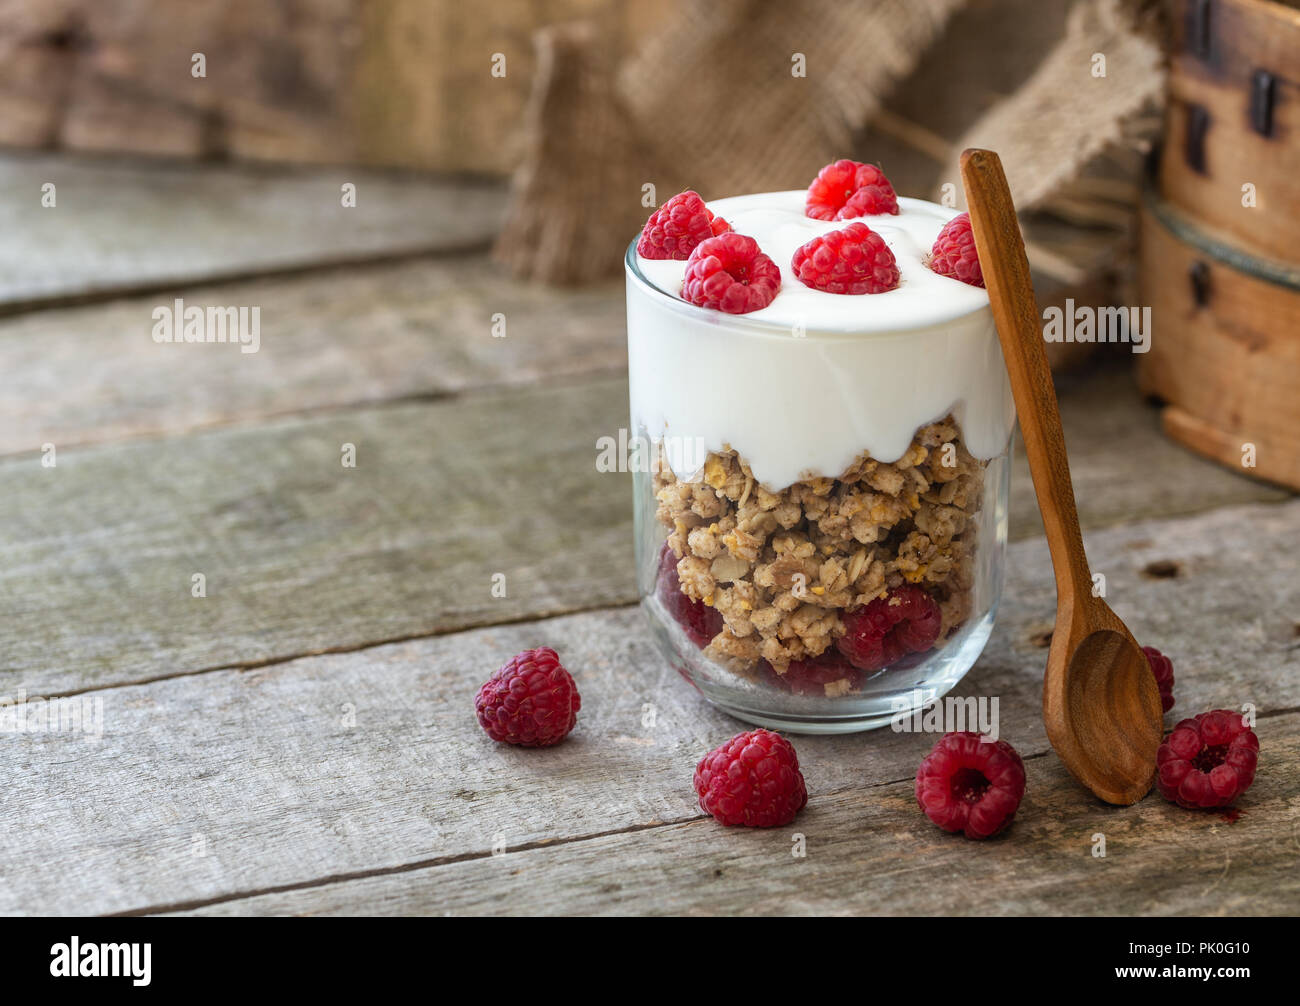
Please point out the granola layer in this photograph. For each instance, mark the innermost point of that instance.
(781, 567)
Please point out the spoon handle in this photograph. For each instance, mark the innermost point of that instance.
(1011, 294)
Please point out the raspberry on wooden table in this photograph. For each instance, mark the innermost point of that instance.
(906, 620)
(854, 260)
(845, 189)
(532, 701)
(953, 253)
(752, 780)
(1208, 760)
(1163, 668)
(676, 227)
(730, 273)
(971, 784)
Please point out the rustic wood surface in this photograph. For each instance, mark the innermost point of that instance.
(303, 555)
(119, 226)
(330, 339)
(285, 789)
(869, 851)
(302, 739)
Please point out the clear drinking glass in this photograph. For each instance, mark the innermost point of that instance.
(856, 589)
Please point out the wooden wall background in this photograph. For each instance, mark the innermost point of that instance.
(401, 83)
(393, 83)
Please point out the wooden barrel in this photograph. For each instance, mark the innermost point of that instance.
(1220, 238)
(1233, 120)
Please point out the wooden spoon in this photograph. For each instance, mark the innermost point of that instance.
(1100, 700)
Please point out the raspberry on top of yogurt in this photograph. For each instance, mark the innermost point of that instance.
(776, 222)
(864, 372)
(845, 189)
(855, 260)
(730, 273)
(954, 253)
(677, 227)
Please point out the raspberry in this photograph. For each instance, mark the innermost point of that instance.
(970, 784)
(954, 253)
(731, 274)
(846, 189)
(700, 621)
(676, 227)
(906, 620)
(1163, 668)
(532, 701)
(827, 675)
(753, 779)
(854, 260)
(1207, 761)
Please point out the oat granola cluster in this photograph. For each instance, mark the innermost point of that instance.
(780, 567)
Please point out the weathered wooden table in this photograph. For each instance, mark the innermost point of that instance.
(302, 738)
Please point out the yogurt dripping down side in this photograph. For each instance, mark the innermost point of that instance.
(802, 387)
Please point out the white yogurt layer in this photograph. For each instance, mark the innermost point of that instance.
(803, 386)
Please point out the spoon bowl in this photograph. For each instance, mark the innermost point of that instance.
(1089, 692)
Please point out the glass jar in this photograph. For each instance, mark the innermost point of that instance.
(820, 514)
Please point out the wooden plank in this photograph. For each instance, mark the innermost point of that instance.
(123, 226)
(339, 338)
(301, 554)
(871, 852)
(263, 765)
(361, 335)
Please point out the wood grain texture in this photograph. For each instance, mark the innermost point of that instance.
(1122, 466)
(1281, 454)
(283, 792)
(358, 335)
(344, 337)
(405, 83)
(1246, 37)
(121, 226)
(871, 852)
(1225, 348)
(1011, 298)
(425, 96)
(301, 554)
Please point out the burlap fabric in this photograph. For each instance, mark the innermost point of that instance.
(715, 102)
(1065, 114)
(574, 199)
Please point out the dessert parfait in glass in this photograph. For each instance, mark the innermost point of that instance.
(817, 381)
